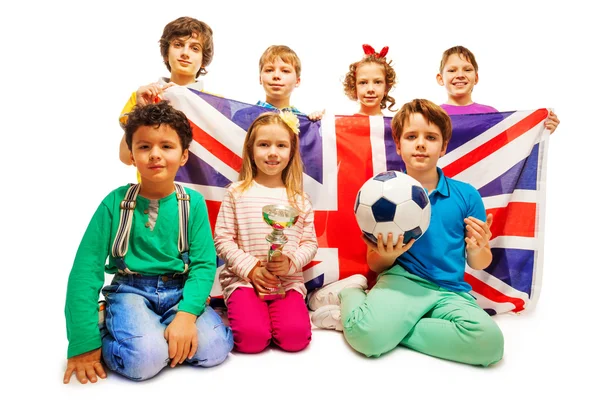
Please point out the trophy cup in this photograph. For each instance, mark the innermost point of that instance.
(278, 217)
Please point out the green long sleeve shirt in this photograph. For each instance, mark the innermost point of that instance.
(152, 251)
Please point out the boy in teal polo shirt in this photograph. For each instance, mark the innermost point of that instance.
(421, 299)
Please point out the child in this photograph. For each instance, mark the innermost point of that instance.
(279, 74)
(155, 310)
(271, 174)
(421, 300)
(186, 46)
(459, 75)
(369, 82)
(279, 68)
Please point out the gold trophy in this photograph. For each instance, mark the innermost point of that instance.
(278, 217)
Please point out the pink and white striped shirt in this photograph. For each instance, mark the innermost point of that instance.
(240, 234)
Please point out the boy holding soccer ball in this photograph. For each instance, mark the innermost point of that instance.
(421, 299)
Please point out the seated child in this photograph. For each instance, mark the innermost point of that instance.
(158, 241)
(271, 174)
(421, 299)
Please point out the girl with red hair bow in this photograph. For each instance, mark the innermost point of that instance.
(369, 82)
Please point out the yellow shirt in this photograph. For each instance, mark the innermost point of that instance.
(132, 101)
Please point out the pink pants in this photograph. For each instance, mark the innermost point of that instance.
(255, 322)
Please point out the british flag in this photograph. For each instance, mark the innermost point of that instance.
(502, 154)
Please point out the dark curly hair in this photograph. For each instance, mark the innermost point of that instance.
(186, 27)
(390, 79)
(155, 115)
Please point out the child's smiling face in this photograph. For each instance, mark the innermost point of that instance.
(279, 79)
(458, 77)
(185, 56)
(157, 153)
(271, 153)
(421, 144)
(370, 88)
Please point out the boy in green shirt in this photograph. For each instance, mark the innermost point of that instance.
(156, 312)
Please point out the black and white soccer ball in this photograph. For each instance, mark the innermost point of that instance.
(392, 202)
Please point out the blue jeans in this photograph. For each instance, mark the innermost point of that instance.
(138, 311)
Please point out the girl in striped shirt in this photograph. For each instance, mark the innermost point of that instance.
(271, 174)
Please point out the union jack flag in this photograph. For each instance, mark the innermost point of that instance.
(503, 155)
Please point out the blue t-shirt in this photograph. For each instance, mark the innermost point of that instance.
(440, 255)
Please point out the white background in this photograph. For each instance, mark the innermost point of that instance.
(68, 68)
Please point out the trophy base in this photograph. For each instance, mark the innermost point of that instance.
(275, 295)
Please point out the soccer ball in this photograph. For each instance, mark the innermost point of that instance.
(392, 202)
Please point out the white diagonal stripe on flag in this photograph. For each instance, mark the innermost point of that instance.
(214, 161)
(484, 303)
(497, 284)
(500, 161)
(328, 266)
(519, 195)
(207, 118)
(486, 136)
(515, 242)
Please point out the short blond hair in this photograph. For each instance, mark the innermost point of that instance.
(286, 54)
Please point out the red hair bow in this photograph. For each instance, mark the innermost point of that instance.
(370, 50)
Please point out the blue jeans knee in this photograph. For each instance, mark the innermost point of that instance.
(138, 357)
(215, 340)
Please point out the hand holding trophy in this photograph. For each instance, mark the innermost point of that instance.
(278, 217)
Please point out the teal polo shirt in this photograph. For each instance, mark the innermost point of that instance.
(440, 254)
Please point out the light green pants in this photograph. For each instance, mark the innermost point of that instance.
(404, 309)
